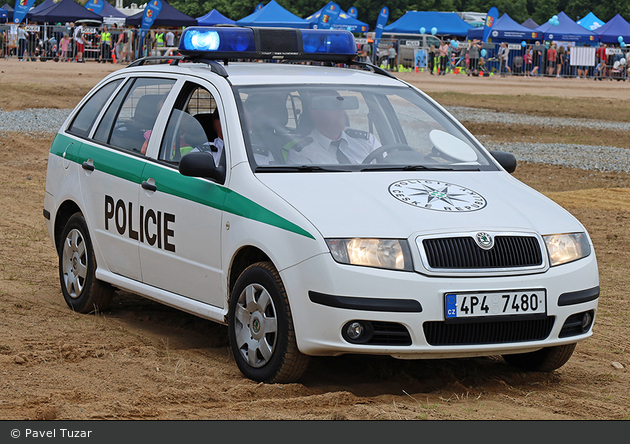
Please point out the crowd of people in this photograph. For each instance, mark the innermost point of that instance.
(77, 42)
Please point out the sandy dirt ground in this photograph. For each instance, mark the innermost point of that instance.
(142, 360)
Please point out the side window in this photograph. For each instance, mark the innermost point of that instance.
(136, 116)
(85, 118)
(193, 125)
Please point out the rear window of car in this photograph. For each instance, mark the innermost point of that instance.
(85, 118)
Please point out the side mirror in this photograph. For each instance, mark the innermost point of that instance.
(200, 164)
(506, 160)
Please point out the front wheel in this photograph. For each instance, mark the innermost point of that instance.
(261, 327)
(544, 360)
(81, 290)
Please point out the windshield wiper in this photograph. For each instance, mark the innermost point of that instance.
(410, 168)
(297, 168)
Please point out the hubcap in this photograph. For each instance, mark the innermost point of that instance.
(74, 263)
(256, 325)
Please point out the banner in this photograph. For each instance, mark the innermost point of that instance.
(96, 6)
(493, 14)
(151, 11)
(352, 12)
(20, 9)
(381, 21)
(329, 14)
(420, 58)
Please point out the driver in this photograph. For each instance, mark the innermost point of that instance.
(331, 141)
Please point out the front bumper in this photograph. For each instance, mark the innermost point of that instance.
(325, 296)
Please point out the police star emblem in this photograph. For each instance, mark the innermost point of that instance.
(437, 195)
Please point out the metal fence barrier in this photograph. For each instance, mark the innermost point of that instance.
(44, 43)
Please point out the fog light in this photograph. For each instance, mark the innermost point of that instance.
(586, 321)
(355, 330)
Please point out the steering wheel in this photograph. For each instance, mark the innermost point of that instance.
(389, 148)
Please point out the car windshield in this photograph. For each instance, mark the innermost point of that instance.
(310, 128)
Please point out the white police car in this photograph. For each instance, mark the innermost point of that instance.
(315, 210)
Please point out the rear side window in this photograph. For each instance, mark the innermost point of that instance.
(136, 116)
(85, 118)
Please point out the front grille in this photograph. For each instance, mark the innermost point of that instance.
(389, 333)
(489, 332)
(464, 253)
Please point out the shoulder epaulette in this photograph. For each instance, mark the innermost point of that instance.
(356, 134)
(302, 143)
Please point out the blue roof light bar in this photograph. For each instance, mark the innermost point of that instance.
(224, 43)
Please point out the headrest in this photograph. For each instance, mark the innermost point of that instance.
(267, 110)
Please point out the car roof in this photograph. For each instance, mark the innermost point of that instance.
(252, 73)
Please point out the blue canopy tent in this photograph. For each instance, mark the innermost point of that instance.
(505, 29)
(168, 16)
(447, 23)
(4, 15)
(529, 23)
(39, 8)
(590, 22)
(611, 30)
(110, 11)
(344, 21)
(9, 10)
(214, 17)
(64, 11)
(567, 30)
(273, 15)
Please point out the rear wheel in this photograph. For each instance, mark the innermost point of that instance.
(81, 290)
(261, 327)
(544, 360)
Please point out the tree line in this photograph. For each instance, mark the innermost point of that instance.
(520, 10)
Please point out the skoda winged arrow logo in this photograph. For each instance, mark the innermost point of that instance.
(484, 240)
(437, 195)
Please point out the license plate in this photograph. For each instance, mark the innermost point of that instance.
(495, 303)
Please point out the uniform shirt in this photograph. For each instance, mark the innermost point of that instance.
(210, 146)
(76, 37)
(319, 149)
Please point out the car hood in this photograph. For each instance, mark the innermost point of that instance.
(399, 205)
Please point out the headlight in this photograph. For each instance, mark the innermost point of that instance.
(393, 254)
(563, 248)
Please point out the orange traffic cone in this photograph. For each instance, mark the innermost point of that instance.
(114, 55)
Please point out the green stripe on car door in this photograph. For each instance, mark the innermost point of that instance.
(172, 182)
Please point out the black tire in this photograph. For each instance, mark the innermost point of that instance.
(81, 290)
(260, 321)
(543, 360)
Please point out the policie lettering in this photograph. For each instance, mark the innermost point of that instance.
(123, 215)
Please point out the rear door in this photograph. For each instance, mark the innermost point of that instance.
(112, 164)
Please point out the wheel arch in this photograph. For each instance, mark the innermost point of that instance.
(64, 212)
(243, 258)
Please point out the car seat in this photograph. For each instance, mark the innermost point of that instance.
(268, 117)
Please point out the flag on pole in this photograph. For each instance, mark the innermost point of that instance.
(96, 6)
(20, 9)
(329, 14)
(493, 14)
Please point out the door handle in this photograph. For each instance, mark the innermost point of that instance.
(88, 166)
(148, 186)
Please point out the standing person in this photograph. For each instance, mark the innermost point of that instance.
(443, 53)
(391, 57)
(504, 53)
(551, 59)
(22, 35)
(64, 46)
(106, 45)
(431, 59)
(170, 39)
(160, 40)
(560, 60)
(31, 43)
(536, 59)
(473, 56)
(79, 41)
(602, 58)
(527, 60)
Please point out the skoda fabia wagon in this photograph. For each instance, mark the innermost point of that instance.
(316, 205)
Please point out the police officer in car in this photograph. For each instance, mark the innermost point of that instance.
(331, 141)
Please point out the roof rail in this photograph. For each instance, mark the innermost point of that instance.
(173, 59)
(375, 69)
